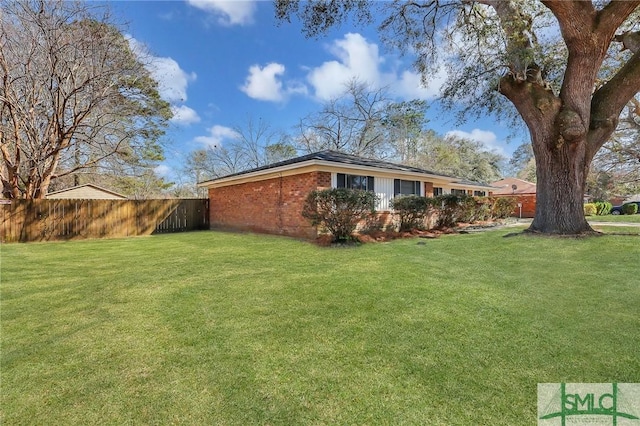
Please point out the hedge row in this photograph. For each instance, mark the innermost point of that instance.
(340, 210)
(412, 210)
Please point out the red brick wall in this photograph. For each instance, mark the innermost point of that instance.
(528, 202)
(528, 206)
(271, 206)
(428, 189)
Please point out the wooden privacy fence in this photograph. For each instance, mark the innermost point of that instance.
(45, 220)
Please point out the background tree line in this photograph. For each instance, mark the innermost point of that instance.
(532, 61)
(78, 103)
(362, 121)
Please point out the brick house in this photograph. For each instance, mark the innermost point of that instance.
(522, 190)
(270, 199)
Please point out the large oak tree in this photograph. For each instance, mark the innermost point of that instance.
(558, 64)
(74, 96)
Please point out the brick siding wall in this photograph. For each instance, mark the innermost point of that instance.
(428, 189)
(528, 205)
(270, 206)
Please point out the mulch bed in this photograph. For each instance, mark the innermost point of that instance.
(383, 236)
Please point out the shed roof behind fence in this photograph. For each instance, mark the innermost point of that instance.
(88, 191)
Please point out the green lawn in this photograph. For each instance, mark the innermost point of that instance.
(616, 229)
(627, 218)
(228, 329)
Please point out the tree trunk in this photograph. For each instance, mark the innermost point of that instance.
(567, 128)
(561, 176)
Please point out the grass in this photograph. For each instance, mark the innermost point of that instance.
(616, 229)
(218, 328)
(625, 218)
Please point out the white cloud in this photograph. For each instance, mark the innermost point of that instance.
(182, 114)
(228, 12)
(264, 83)
(173, 81)
(357, 59)
(409, 85)
(162, 170)
(485, 137)
(296, 88)
(217, 134)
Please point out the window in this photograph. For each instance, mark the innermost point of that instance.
(437, 191)
(458, 192)
(479, 193)
(364, 183)
(406, 187)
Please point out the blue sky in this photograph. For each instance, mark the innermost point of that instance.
(220, 63)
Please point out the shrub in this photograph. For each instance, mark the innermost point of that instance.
(412, 210)
(339, 210)
(446, 205)
(482, 209)
(473, 209)
(503, 207)
(603, 208)
(455, 208)
(630, 208)
(372, 224)
(466, 209)
(590, 209)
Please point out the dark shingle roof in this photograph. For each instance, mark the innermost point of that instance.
(335, 157)
(341, 158)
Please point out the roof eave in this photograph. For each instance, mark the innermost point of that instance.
(324, 164)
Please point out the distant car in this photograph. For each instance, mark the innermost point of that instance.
(618, 209)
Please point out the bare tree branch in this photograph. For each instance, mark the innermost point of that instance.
(70, 83)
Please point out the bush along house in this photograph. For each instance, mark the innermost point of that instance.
(270, 199)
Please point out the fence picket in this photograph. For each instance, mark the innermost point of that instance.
(45, 220)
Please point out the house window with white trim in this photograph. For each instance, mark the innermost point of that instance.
(437, 191)
(458, 192)
(364, 183)
(479, 193)
(406, 187)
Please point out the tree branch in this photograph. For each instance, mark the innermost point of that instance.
(609, 100)
(538, 106)
(615, 13)
(518, 28)
(578, 10)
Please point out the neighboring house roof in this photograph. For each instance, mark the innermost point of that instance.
(506, 187)
(87, 191)
(334, 158)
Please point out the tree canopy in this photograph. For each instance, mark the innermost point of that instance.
(458, 157)
(567, 69)
(74, 96)
(253, 144)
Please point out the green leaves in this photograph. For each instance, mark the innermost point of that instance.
(412, 210)
(339, 210)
